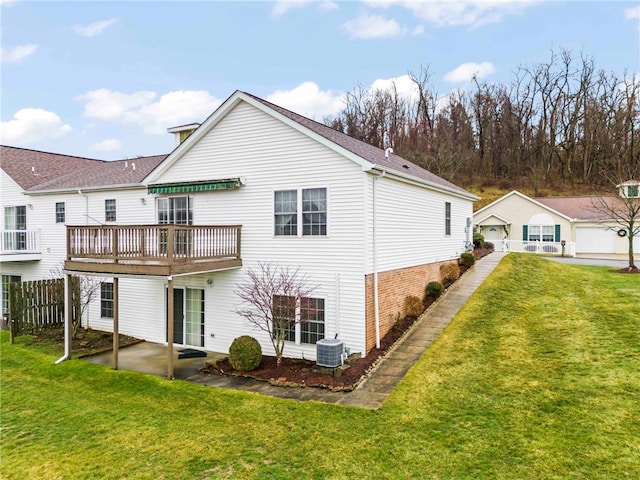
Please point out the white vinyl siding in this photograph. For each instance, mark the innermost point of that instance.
(271, 156)
(411, 231)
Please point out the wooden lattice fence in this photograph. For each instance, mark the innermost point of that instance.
(39, 305)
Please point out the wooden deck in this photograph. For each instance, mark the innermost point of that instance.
(159, 250)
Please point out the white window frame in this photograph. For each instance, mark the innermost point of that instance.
(171, 210)
(105, 300)
(62, 212)
(447, 219)
(300, 213)
(298, 325)
(107, 211)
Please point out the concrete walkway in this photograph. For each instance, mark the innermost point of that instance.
(375, 389)
(370, 394)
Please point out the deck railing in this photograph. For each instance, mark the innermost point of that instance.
(19, 241)
(166, 244)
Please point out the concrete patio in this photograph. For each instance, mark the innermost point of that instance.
(371, 393)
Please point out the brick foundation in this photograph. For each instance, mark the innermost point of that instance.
(393, 287)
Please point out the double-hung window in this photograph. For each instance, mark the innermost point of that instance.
(286, 212)
(447, 218)
(6, 281)
(542, 233)
(60, 216)
(306, 207)
(284, 316)
(106, 300)
(15, 226)
(110, 210)
(302, 319)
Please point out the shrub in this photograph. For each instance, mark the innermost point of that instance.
(467, 259)
(449, 272)
(478, 239)
(245, 354)
(435, 289)
(488, 246)
(412, 306)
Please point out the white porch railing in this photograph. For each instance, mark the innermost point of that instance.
(541, 248)
(19, 241)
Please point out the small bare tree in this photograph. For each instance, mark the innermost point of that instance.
(271, 295)
(625, 212)
(89, 289)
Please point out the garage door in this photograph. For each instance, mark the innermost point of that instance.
(595, 240)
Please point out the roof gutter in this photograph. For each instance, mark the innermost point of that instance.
(101, 188)
(419, 182)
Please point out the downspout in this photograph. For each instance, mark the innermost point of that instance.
(86, 207)
(67, 320)
(376, 304)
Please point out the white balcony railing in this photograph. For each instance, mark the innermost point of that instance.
(540, 248)
(19, 242)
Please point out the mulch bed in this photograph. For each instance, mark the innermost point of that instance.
(294, 372)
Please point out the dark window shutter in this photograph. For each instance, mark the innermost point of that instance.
(525, 233)
(557, 233)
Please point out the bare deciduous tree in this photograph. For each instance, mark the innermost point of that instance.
(625, 212)
(89, 289)
(271, 299)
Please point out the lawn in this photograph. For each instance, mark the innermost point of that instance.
(537, 377)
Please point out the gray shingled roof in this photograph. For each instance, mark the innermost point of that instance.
(105, 174)
(37, 171)
(30, 168)
(368, 152)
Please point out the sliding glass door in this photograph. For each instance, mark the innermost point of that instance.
(188, 316)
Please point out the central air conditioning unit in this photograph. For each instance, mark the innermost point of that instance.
(329, 352)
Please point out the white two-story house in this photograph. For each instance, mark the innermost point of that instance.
(258, 183)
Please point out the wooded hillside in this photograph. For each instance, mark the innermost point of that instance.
(564, 125)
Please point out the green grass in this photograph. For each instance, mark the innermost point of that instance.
(537, 377)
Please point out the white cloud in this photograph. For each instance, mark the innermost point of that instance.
(7, 3)
(283, 6)
(307, 99)
(467, 12)
(31, 125)
(17, 53)
(95, 28)
(403, 84)
(373, 26)
(108, 145)
(466, 72)
(143, 108)
(632, 14)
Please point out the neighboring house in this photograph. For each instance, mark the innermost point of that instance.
(258, 183)
(43, 192)
(515, 221)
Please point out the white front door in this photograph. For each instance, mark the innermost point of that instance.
(494, 234)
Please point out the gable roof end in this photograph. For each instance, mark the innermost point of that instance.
(365, 155)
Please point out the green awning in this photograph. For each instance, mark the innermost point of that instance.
(190, 187)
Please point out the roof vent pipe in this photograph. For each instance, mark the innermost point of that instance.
(387, 152)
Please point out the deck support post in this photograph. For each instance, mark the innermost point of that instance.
(116, 333)
(170, 314)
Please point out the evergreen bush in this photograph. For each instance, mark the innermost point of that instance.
(467, 259)
(478, 239)
(435, 289)
(245, 354)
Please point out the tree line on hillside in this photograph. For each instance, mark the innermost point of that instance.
(563, 121)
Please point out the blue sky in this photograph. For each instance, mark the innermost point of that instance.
(106, 79)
